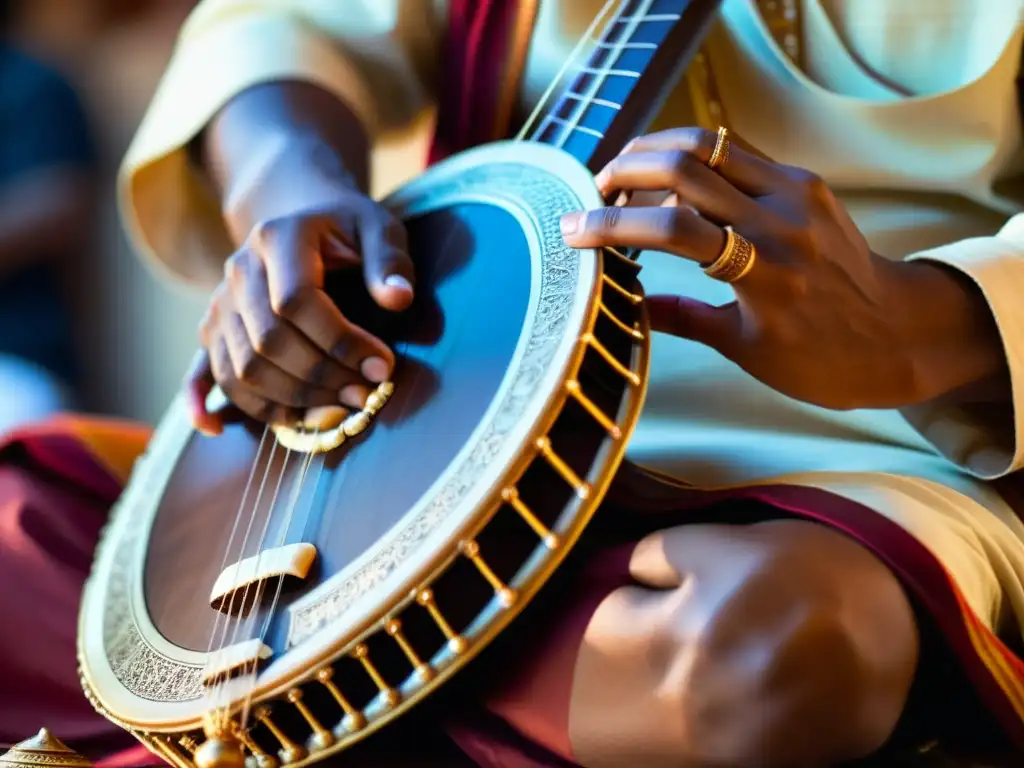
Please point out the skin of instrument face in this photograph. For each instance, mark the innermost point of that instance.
(448, 372)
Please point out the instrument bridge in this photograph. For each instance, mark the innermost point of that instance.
(241, 585)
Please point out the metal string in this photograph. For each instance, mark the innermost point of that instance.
(237, 628)
(234, 528)
(587, 37)
(215, 689)
(286, 528)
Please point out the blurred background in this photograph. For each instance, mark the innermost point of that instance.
(133, 336)
(84, 325)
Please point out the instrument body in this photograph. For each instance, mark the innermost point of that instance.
(522, 368)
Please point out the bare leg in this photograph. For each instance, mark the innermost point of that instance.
(778, 643)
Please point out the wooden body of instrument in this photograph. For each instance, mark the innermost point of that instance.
(522, 368)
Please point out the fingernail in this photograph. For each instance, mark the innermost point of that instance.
(398, 281)
(375, 369)
(353, 396)
(570, 223)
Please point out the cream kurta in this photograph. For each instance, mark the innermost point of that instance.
(908, 109)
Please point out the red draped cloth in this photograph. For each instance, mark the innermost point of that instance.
(59, 479)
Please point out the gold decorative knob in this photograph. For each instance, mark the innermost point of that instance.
(43, 749)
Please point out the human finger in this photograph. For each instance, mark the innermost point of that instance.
(295, 287)
(241, 395)
(676, 229)
(280, 355)
(746, 168)
(683, 173)
(387, 266)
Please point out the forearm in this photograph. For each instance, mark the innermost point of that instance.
(948, 328)
(280, 147)
(43, 215)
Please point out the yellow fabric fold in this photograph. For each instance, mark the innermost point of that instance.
(986, 440)
(228, 46)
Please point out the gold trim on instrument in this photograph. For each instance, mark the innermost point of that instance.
(354, 720)
(633, 298)
(290, 752)
(261, 757)
(423, 670)
(321, 738)
(574, 389)
(388, 695)
(456, 643)
(591, 341)
(506, 595)
(511, 495)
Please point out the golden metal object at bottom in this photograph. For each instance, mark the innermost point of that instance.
(219, 753)
(43, 749)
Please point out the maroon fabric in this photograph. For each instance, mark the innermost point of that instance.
(48, 530)
(475, 53)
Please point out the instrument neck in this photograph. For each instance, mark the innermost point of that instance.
(644, 50)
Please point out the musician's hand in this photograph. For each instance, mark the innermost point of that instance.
(819, 317)
(273, 339)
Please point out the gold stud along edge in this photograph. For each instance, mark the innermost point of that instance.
(581, 488)
(290, 752)
(321, 738)
(634, 332)
(505, 594)
(259, 756)
(511, 496)
(590, 340)
(353, 720)
(629, 296)
(389, 696)
(423, 671)
(456, 643)
(607, 423)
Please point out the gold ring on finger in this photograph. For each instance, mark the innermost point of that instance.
(720, 154)
(736, 259)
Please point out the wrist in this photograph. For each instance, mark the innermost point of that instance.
(946, 329)
(285, 173)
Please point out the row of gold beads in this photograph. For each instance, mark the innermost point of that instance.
(324, 440)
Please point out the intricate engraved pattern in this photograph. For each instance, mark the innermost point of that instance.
(546, 197)
(149, 674)
(142, 669)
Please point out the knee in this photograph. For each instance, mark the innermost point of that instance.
(799, 659)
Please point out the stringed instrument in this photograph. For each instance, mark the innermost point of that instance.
(276, 595)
